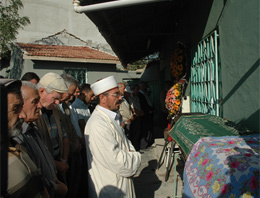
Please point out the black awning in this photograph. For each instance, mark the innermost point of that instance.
(137, 31)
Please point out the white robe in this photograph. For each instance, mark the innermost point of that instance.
(110, 162)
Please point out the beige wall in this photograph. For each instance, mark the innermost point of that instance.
(51, 16)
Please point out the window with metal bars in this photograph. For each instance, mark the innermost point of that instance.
(205, 76)
(79, 74)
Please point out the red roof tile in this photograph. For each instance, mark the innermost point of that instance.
(61, 51)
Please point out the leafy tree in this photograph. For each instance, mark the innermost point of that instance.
(140, 64)
(10, 23)
(136, 65)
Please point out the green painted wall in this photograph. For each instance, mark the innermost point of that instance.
(237, 22)
(239, 48)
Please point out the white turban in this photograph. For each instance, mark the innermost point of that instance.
(104, 85)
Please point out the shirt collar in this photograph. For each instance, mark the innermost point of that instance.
(25, 127)
(111, 114)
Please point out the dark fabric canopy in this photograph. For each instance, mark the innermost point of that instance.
(136, 31)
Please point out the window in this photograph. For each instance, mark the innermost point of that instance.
(79, 74)
(205, 76)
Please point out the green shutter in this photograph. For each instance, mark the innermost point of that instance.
(205, 79)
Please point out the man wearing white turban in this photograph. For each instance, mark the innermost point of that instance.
(112, 159)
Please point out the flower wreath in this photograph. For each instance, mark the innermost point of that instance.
(173, 98)
(178, 62)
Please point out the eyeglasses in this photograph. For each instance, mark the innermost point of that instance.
(115, 94)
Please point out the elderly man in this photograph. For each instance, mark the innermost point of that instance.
(51, 88)
(112, 159)
(125, 109)
(32, 141)
(75, 161)
(24, 179)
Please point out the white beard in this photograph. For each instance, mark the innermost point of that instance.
(17, 129)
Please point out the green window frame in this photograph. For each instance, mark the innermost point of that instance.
(81, 75)
(205, 76)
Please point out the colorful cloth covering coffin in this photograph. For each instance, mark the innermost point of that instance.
(223, 167)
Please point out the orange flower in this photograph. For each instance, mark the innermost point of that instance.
(179, 72)
(180, 67)
(174, 55)
(177, 93)
(178, 102)
(172, 111)
(178, 62)
(180, 58)
(176, 108)
(174, 73)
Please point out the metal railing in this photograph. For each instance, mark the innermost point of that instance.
(205, 78)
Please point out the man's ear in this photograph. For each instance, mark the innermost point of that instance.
(83, 93)
(40, 91)
(102, 98)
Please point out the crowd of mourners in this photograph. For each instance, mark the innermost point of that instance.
(71, 140)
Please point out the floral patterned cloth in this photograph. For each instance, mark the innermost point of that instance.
(226, 166)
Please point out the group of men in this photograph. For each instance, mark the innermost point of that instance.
(62, 146)
(137, 112)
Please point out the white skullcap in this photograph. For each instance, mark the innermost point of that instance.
(104, 85)
(54, 81)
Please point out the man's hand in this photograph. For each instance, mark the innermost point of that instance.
(61, 190)
(128, 121)
(62, 166)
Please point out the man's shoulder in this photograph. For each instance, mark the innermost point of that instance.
(94, 119)
(16, 163)
(77, 103)
(18, 174)
(97, 122)
(96, 115)
(56, 109)
(122, 105)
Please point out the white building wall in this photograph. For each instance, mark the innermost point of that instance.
(49, 17)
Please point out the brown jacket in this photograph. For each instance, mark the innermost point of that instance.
(45, 132)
